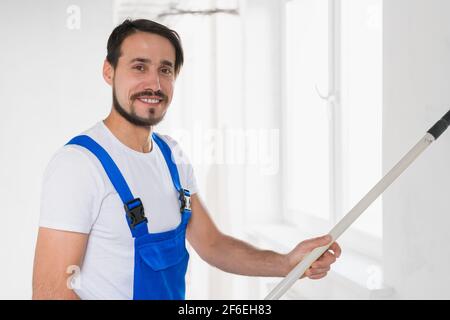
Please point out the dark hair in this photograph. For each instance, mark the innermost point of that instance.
(129, 27)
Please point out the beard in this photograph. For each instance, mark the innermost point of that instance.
(133, 118)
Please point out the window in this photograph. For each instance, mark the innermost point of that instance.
(307, 127)
(332, 115)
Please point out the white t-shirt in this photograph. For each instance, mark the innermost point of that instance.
(78, 196)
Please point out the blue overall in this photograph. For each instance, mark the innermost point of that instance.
(160, 259)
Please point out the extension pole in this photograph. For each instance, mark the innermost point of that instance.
(362, 205)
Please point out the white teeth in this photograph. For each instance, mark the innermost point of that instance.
(149, 100)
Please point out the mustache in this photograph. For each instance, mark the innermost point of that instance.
(145, 93)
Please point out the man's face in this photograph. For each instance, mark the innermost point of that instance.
(143, 79)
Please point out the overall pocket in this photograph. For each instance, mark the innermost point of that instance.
(160, 268)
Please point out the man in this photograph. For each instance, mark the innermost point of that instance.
(120, 166)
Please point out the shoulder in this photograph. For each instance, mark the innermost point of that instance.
(179, 156)
(72, 163)
(72, 191)
(183, 163)
(70, 155)
(72, 158)
(168, 139)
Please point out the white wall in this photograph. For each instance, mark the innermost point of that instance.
(51, 88)
(262, 104)
(416, 94)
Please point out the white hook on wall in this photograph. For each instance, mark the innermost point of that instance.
(330, 97)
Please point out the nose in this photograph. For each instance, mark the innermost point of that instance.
(152, 81)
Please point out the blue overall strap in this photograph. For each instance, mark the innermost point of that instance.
(184, 194)
(133, 206)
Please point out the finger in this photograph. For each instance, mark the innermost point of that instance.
(336, 248)
(310, 244)
(308, 273)
(319, 270)
(318, 276)
(325, 260)
(313, 271)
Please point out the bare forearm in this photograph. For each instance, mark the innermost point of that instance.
(44, 291)
(236, 256)
(239, 257)
(46, 295)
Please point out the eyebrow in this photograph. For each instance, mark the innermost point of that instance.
(145, 60)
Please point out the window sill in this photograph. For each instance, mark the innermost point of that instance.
(353, 276)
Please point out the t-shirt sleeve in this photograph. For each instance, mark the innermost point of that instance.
(71, 192)
(185, 168)
(191, 181)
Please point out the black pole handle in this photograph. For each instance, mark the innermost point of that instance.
(440, 126)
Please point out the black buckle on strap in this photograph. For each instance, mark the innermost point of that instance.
(135, 212)
(185, 199)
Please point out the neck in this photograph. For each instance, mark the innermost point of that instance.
(134, 137)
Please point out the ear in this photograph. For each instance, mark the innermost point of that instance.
(108, 72)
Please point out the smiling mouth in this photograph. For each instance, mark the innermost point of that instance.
(150, 101)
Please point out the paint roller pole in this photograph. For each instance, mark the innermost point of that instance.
(362, 205)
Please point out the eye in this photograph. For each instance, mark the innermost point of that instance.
(166, 71)
(139, 67)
